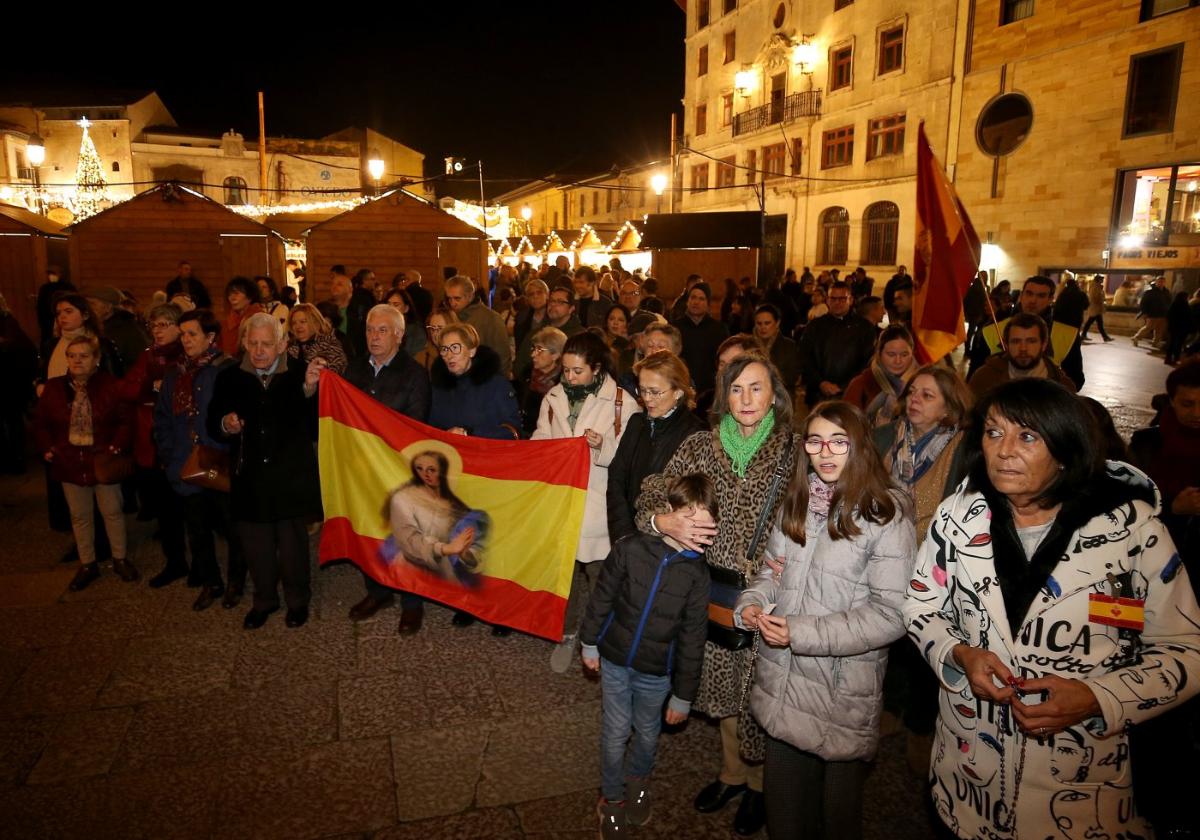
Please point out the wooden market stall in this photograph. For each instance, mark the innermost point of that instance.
(29, 243)
(589, 248)
(395, 232)
(713, 245)
(137, 244)
(626, 246)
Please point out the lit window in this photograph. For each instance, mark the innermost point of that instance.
(885, 136)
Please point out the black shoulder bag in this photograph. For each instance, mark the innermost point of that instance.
(728, 584)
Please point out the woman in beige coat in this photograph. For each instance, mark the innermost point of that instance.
(586, 403)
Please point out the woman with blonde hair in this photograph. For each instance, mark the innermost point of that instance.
(438, 320)
(312, 337)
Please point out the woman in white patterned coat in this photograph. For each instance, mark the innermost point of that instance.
(1054, 610)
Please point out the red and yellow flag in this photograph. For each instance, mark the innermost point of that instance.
(394, 488)
(946, 259)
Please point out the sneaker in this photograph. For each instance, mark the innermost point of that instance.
(563, 655)
(637, 802)
(612, 819)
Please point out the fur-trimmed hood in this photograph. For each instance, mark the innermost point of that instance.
(484, 367)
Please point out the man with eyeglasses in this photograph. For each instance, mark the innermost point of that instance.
(396, 380)
(835, 347)
(460, 298)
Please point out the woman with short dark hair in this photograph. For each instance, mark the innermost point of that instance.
(241, 299)
(546, 348)
(180, 424)
(1054, 610)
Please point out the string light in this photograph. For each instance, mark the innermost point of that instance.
(263, 210)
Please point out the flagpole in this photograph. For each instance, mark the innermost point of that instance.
(992, 311)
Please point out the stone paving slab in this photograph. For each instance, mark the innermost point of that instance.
(315, 792)
(81, 745)
(42, 626)
(62, 679)
(438, 770)
(539, 755)
(166, 666)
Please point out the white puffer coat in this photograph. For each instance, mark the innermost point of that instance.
(842, 598)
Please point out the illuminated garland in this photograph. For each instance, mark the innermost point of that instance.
(340, 205)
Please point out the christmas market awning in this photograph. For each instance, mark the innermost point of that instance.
(742, 229)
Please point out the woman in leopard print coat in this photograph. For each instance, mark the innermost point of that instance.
(751, 395)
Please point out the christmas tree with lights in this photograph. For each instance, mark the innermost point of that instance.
(89, 176)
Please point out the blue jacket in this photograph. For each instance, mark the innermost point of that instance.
(175, 434)
(480, 401)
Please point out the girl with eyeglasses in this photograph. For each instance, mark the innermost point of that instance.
(438, 320)
(846, 544)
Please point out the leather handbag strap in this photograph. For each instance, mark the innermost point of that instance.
(781, 470)
(617, 411)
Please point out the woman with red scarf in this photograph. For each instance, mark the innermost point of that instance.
(140, 387)
(179, 424)
(242, 298)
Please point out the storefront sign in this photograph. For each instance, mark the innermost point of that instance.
(1156, 257)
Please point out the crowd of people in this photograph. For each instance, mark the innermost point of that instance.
(792, 526)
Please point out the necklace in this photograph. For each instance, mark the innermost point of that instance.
(1010, 821)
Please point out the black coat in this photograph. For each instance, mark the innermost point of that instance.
(644, 449)
(700, 343)
(645, 575)
(835, 350)
(360, 304)
(402, 385)
(275, 467)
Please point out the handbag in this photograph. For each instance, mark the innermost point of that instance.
(728, 584)
(111, 468)
(206, 467)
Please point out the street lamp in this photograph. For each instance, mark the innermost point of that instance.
(375, 167)
(35, 153)
(743, 83)
(659, 183)
(527, 214)
(805, 54)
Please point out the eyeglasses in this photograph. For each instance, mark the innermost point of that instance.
(836, 446)
(450, 349)
(653, 393)
(161, 325)
(537, 348)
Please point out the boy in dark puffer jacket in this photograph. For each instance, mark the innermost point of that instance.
(648, 620)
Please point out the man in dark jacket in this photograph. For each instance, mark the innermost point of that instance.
(835, 347)
(395, 379)
(186, 283)
(785, 355)
(261, 407)
(702, 334)
(648, 620)
(120, 326)
(591, 305)
(1156, 302)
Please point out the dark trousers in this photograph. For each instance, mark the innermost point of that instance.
(12, 435)
(809, 798)
(277, 551)
(380, 592)
(168, 508)
(910, 690)
(206, 513)
(1098, 320)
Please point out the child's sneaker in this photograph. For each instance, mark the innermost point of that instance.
(612, 819)
(638, 804)
(563, 654)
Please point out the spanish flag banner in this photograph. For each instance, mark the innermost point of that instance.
(485, 526)
(946, 259)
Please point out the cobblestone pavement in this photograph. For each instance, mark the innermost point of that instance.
(125, 714)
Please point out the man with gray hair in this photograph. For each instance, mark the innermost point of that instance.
(396, 380)
(460, 297)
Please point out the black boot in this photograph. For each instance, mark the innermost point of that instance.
(170, 573)
(751, 814)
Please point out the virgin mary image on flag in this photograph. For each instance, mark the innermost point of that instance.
(432, 528)
(485, 526)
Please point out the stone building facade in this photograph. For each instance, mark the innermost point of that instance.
(1079, 143)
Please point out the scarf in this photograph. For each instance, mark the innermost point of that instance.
(882, 408)
(741, 449)
(1177, 464)
(541, 383)
(1038, 371)
(183, 398)
(163, 359)
(820, 496)
(577, 395)
(80, 432)
(911, 456)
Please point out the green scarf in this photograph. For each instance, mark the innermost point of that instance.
(740, 449)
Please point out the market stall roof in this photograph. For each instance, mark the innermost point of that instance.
(501, 247)
(530, 244)
(588, 240)
(553, 242)
(293, 225)
(34, 221)
(172, 195)
(447, 224)
(741, 229)
(628, 238)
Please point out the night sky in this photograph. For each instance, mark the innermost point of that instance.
(531, 88)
